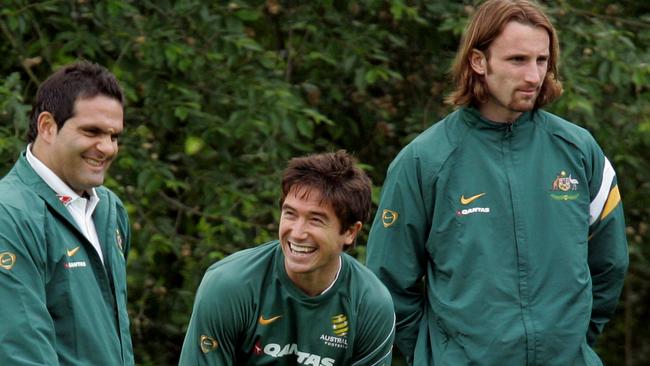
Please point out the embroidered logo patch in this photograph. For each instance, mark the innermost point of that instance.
(257, 348)
(340, 325)
(340, 328)
(118, 240)
(564, 187)
(388, 217)
(464, 201)
(7, 260)
(268, 321)
(468, 200)
(64, 199)
(73, 251)
(208, 344)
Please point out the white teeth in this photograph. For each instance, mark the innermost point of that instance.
(94, 162)
(301, 249)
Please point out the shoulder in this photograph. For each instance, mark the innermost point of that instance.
(240, 271)
(19, 201)
(14, 193)
(367, 288)
(429, 150)
(567, 131)
(230, 288)
(106, 194)
(121, 216)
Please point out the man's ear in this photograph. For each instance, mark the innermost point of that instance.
(478, 62)
(47, 127)
(351, 233)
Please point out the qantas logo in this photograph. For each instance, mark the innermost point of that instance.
(468, 200)
(473, 210)
(257, 348)
(303, 358)
(268, 321)
(71, 265)
(64, 199)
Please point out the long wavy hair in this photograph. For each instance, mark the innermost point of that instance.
(485, 26)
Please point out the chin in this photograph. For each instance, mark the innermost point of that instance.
(298, 268)
(523, 107)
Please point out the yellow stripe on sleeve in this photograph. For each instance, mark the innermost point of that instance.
(612, 201)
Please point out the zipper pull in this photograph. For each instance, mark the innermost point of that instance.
(508, 130)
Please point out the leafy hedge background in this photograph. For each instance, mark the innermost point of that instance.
(220, 95)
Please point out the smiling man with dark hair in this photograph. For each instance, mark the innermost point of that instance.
(64, 238)
(299, 300)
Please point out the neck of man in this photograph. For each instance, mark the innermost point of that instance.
(318, 282)
(501, 116)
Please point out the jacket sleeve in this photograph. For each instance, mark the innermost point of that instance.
(125, 228)
(608, 252)
(396, 245)
(216, 323)
(377, 330)
(27, 330)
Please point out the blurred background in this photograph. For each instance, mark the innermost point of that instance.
(221, 94)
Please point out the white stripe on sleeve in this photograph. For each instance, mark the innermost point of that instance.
(596, 206)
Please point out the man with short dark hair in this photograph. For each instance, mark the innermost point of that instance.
(511, 215)
(299, 300)
(64, 238)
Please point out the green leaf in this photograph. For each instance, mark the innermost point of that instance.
(193, 145)
(248, 15)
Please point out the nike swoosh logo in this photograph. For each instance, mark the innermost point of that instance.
(73, 251)
(466, 201)
(269, 320)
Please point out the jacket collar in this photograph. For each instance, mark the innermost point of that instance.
(473, 117)
(28, 176)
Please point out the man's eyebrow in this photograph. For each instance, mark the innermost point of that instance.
(312, 212)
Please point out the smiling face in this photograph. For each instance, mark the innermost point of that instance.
(81, 151)
(514, 70)
(312, 240)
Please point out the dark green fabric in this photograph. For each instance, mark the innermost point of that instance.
(253, 283)
(510, 276)
(60, 306)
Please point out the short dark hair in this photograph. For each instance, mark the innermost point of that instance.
(58, 94)
(341, 184)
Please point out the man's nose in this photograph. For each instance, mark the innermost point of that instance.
(533, 74)
(107, 145)
(299, 229)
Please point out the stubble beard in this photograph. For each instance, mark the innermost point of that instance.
(519, 104)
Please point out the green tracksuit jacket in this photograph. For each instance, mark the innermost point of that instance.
(248, 312)
(59, 304)
(500, 244)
